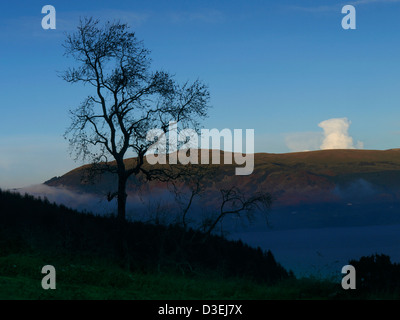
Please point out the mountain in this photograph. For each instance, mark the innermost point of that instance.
(293, 178)
(310, 189)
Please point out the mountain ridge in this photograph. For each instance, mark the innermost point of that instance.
(293, 178)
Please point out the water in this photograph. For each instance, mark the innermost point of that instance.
(324, 251)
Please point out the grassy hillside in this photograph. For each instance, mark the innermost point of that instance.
(161, 262)
(29, 223)
(82, 278)
(164, 263)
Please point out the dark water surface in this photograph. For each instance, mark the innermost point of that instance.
(324, 251)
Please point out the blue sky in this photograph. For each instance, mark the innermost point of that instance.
(279, 67)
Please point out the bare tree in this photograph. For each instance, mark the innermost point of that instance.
(195, 183)
(126, 100)
(191, 184)
(235, 203)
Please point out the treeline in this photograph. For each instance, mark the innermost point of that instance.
(378, 275)
(28, 224)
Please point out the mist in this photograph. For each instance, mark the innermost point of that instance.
(158, 206)
(71, 199)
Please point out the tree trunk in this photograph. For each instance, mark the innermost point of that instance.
(122, 223)
(121, 197)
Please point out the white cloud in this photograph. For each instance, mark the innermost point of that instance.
(336, 7)
(303, 141)
(361, 2)
(66, 22)
(360, 145)
(204, 16)
(336, 135)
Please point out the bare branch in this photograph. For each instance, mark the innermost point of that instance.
(128, 100)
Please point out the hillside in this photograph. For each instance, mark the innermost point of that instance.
(165, 262)
(161, 262)
(293, 178)
(40, 225)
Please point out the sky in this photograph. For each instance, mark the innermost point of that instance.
(286, 69)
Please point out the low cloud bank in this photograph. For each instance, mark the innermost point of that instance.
(78, 201)
(150, 207)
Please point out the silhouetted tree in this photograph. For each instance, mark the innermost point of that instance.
(377, 274)
(128, 99)
(235, 203)
(194, 184)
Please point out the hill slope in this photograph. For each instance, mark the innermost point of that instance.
(293, 178)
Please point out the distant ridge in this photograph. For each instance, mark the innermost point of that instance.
(293, 178)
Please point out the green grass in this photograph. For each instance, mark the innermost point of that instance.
(34, 233)
(20, 278)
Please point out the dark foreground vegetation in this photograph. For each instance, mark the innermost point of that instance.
(161, 262)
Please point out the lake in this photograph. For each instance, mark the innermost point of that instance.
(324, 251)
